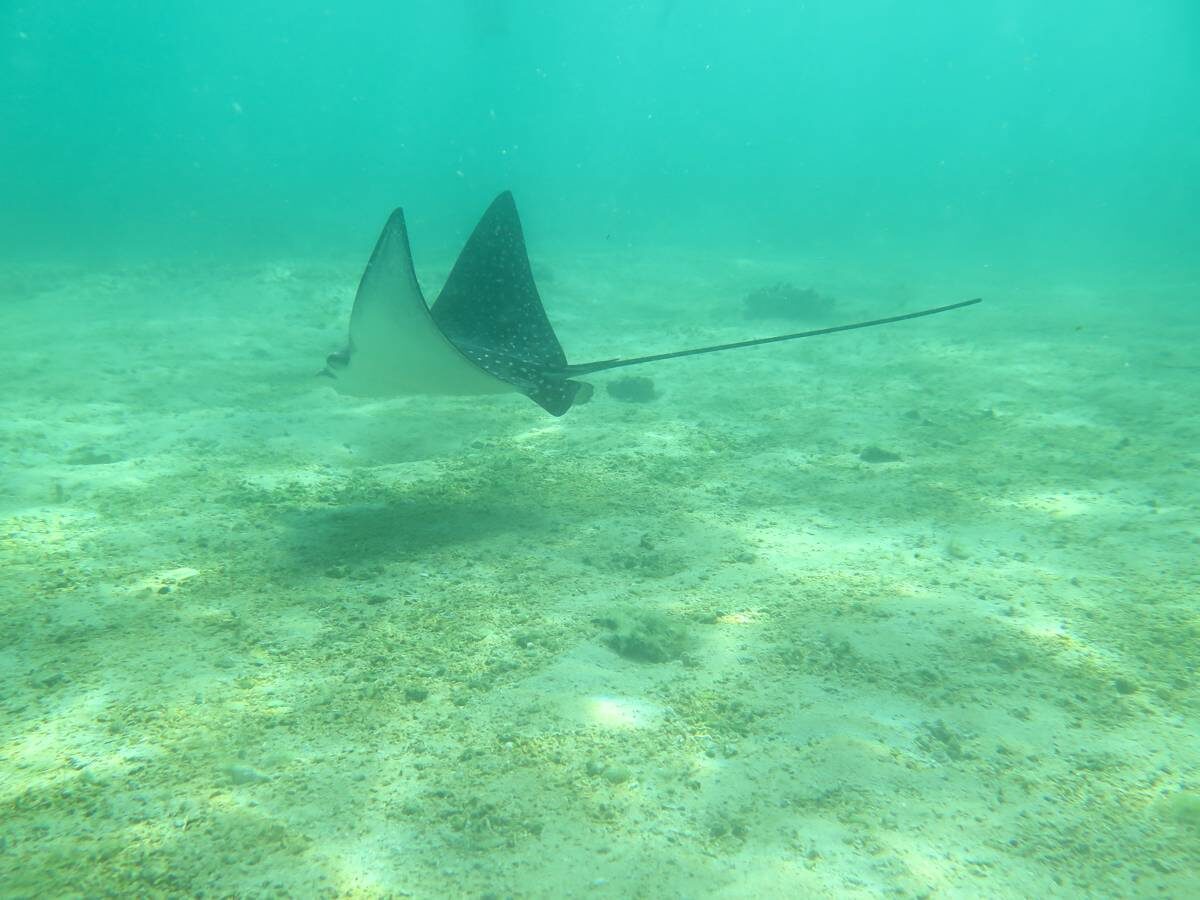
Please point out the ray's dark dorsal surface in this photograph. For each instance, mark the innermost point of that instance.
(487, 332)
(490, 309)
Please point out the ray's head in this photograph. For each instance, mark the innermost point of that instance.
(336, 364)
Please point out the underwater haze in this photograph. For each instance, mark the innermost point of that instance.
(997, 131)
(905, 611)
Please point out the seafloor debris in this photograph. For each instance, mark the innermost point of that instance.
(633, 389)
(875, 454)
(645, 635)
(783, 300)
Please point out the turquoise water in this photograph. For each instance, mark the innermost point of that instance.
(994, 131)
(906, 612)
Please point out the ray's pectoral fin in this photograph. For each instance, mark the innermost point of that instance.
(395, 347)
(491, 310)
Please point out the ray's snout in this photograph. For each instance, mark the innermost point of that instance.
(335, 362)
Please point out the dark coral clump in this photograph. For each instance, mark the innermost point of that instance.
(633, 389)
(645, 636)
(783, 300)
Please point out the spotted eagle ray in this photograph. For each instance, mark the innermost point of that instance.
(487, 332)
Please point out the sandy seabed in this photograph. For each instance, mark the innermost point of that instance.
(262, 640)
